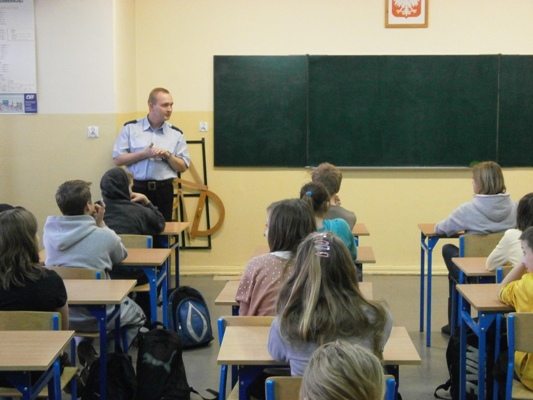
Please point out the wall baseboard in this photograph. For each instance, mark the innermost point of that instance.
(368, 269)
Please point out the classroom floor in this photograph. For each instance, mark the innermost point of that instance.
(400, 292)
(402, 296)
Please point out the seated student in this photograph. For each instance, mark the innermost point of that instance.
(321, 302)
(516, 290)
(331, 177)
(24, 284)
(288, 223)
(341, 370)
(318, 198)
(80, 238)
(127, 212)
(491, 210)
(5, 207)
(508, 252)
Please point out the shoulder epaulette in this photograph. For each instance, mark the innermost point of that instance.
(130, 122)
(176, 128)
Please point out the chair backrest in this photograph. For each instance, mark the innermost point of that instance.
(76, 272)
(521, 325)
(478, 245)
(283, 387)
(235, 320)
(137, 241)
(29, 321)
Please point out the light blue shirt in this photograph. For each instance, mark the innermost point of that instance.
(137, 135)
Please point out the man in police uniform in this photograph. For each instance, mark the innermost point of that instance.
(154, 151)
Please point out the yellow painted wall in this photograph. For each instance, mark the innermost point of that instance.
(171, 43)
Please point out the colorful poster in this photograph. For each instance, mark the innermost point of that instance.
(18, 71)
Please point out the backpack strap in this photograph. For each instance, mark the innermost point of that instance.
(214, 393)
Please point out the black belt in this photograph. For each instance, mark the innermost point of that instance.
(153, 185)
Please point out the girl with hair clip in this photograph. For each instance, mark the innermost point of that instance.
(340, 371)
(288, 223)
(508, 252)
(321, 302)
(318, 198)
(24, 284)
(491, 210)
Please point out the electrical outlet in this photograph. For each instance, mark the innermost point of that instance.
(203, 127)
(92, 132)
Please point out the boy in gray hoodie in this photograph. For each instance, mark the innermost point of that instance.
(80, 238)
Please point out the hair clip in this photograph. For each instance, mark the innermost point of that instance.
(309, 193)
(322, 247)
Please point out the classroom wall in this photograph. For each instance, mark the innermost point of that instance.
(97, 66)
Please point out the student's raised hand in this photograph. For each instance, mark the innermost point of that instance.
(139, 198)
(98, 213)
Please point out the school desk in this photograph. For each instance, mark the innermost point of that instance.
(484, 299)
(173, 230)
(96, 295)
(359, 229)
(469, 267)
(246, 346)
(155, 264)
(428, 240)
(229, 292)
(25, 351)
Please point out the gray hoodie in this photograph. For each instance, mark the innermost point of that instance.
(486, 213)
(76, 241)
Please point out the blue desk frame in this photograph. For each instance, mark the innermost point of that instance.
(156, 276)
(427, 244)
(480, 327)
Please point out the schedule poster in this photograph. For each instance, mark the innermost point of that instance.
(18, 76)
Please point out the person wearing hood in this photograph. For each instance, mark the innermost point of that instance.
(491, 210)
(80, 238)
(128, 212)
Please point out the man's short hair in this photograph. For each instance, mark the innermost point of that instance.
(328, 175)
(152, 97)
(73, 196)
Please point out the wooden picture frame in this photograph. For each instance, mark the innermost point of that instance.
(406, 13)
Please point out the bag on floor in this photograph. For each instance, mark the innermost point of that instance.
(121, 381)
(472, 352)
(160, 369)
(189, 317)
(161, 372)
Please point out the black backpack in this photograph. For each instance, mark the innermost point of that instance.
(472, 352)
(160, 369)
(189, 317)
(121, 381)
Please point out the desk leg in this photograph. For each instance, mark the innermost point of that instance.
(177, 258)
(165, 284)
(423, 247)
(151, 274)
(432, 241)
(247, 374)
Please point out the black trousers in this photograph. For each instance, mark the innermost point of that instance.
(161, 196)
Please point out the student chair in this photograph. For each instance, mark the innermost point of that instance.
(36, 321)
(519, 338)
(288, 387)
(471, 245)
(222, 323)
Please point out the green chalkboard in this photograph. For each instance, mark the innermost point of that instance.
(515, 136)
(402, 110)
(260, 111)
(373, 111)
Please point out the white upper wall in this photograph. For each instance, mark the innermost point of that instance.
(176, 46)
(75, 56)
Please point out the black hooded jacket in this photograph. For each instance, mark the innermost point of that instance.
(123, 215)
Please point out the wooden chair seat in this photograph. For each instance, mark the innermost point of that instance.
(35, 321)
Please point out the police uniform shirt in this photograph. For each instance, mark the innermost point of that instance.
(136, 135)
